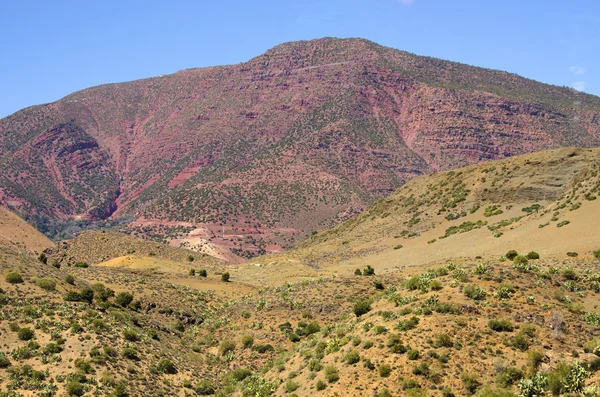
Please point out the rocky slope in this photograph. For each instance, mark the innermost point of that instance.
(254, 156)
(18, 235)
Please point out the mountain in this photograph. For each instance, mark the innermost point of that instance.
(249, 158)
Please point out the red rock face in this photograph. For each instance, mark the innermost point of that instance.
(297, 139)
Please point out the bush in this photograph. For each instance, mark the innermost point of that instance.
(413, 354)
(444, 340)
(352, 357)
(123, 299)
(321, 385)
(70, 279)
(129, 353)
(43, 258)
(474, 292)
(4, 361)
(83, 265)
(533, 255)
(597, 254)
(192, 272)
(384, 370)
(13, 277)
(25, 334)
(202, 273)
(46, 284)
(72, 296)
(503, 325)
(291, 386)
(331, 374)
(225, 277)
(130, 335)
(470, 382)
(520, 260)
(510, 376)
(87, 295)
(226, 346)
(74, 389)
(572, 254)
(166, 366)
(190, 258)
(358, 272)
(362, 307)
(369, 271)
(247, 341)
(204, 388)
(512, 254)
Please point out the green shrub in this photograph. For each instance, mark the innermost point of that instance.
(321, 385)
(352, 357)
(331, 374)
(87, 295)
(444, 340)
(82, 264)
(202, 273)
(190, 258)
(520, 260)
(510, 376)
(470, 382)
(533, 255)
(597, 254)
(72, 296)
(362, 307)
(291, 386)
(129, 353)
(407, 325)
(384, 370)
(572, 254)
(13, 277)
(43, 258)
(413, 354)
(46, 284)
(130, 335)
(74, 389)
(225, 277)
(192, 272)
(247, 341)
(204, 388)
(474, 292)
(505, 291)
(226, 346)
(70, 279)
(25, 334)
(511, 255)
(500, 325)
(123, 299)
(166, 366)
(4, 361)
(357, 272)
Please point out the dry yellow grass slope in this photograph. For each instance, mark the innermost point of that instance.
(17, 234)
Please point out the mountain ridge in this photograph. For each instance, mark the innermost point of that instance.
(299, 138)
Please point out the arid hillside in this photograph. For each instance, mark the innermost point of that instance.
(18, 235)
(247, 159)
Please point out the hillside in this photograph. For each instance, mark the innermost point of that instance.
(250, 158)
(480, 281)
(16, 234)
(547, 200)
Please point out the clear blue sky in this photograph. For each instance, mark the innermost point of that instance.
(52, 48)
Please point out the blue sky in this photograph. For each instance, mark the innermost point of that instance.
(52, 48)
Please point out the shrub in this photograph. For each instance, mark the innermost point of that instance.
(413, 354)
(378, 285)
(25, 334)
(474, 292)
(83, 365)
(520, 260)
(70, 279)
(510, 376)
(46, 284)
(470, 382)
(500, 325)
(533, 255)
(43, 258)
(321, 385)
(87, 295)
(166, 366)
(384, 370)
(512, 254)
(291, 386)
(421, 369)
(190, 258)
(123, 299)
(74, 389)
(444, 340)
(331, 374)
(225, 277)
(82, 264)
(72, 296)
(13, 277)
(572, 254)
(192, 272)
(202, 273)
(247, 341)
(369, 271)
(352, 357)
(407, 325)
(4, 361)
(505, 291)
(130, 335)
(129, 353)
(226, 346)
(362, 307)
(264, 348)
(204, 388)
(358, 272)
(597, 254)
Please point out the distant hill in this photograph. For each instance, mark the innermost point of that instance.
(18, 235)
(545, 201)
(253, 157)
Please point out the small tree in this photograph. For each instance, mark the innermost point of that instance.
(225, 277)
(123, 299)
(362, 307)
